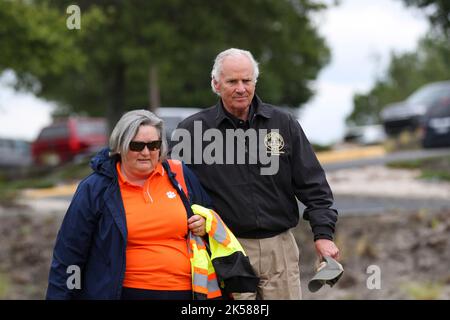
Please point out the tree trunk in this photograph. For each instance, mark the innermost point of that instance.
(117, 95)
(154, 97)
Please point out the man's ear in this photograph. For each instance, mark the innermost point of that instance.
(216, 84)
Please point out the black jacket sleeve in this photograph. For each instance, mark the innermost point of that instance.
(311, 186)
(197, 195)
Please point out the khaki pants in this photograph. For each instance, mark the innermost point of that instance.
(276, 261)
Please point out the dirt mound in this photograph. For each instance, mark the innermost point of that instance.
(409, 252)
(25, 253)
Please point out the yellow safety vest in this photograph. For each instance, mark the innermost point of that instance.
(228, 268)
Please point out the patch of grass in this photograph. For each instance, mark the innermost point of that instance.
(38, 178)
(321, 147)
(423, 290)
(7, 196)
(9, 190)
(406, 164)
(435, 175)
(433, 168)
(76, 171)
(35, 183)
(435, 223)
(4, 285)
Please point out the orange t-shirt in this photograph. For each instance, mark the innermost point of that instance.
(156, 255)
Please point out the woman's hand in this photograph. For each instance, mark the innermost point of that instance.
(197, 225)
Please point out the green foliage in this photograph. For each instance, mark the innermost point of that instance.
(433, 168)
(33, 42)
(438, 175)
(107, 61)
(405, 74)
(406, 164)
(42, 178)
(321, 147)
(425, 290)
(438, 11)
(4, 285)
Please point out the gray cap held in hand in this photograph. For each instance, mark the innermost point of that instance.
(329, 272)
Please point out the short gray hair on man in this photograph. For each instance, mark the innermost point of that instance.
(127, 128)
(232, 52)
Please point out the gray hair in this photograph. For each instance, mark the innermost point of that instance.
(127, 128)
(232, 52)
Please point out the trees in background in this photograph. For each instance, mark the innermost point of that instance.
(438, 12)
(33, 44)
(134, 54)
(408, 71)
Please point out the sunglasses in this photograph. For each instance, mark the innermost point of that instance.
(139, 146)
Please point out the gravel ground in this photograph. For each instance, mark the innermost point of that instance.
(381, 181)
(410, 250)
(411, 247)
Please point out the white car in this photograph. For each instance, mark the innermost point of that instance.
(365, 135)
(14, 153)
(173, 116)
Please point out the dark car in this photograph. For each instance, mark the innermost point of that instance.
(408, 114)
(436, 125)
(68, 138)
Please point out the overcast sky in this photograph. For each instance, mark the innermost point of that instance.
(360, 33)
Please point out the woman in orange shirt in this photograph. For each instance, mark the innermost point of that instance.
(125, 229)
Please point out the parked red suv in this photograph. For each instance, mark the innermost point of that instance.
(68, 138)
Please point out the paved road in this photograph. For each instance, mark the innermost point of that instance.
(383, 159)
(363, 205)
(349, 205)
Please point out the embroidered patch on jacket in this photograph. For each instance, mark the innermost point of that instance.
(274, 142)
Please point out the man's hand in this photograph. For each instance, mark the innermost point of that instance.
(326, 247)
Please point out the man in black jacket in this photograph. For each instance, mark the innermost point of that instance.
(255, 161)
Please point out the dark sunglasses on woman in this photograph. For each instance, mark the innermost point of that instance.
(139, 145)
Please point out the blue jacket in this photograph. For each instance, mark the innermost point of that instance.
(93, 234)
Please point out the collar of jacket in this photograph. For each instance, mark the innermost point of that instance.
(260, 110)
(105, 165)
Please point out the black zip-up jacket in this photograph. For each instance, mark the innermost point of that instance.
(254, 205)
